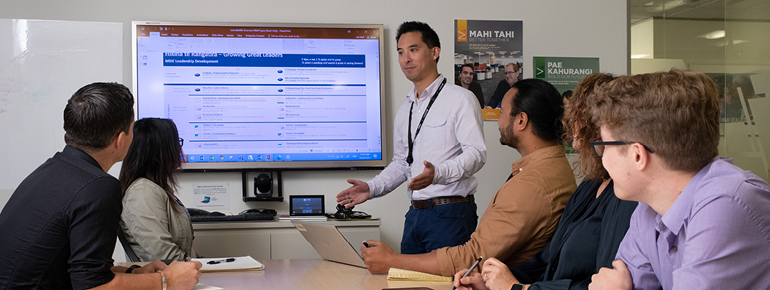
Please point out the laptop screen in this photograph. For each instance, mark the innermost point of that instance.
(330, 244)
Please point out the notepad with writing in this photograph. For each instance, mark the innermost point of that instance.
(406, 275)
(245, 263)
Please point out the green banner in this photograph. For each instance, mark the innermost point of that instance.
(564, 73)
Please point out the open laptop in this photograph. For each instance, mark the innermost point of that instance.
(329, 243)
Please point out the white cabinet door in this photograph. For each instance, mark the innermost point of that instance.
(232, 243)
(290, 244)
(271, 240)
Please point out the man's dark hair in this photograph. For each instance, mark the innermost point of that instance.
(155, 154)
(96, 114)
(429, 37)
(543, 105)
(472, 71)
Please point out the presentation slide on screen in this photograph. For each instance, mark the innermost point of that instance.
(263, 94)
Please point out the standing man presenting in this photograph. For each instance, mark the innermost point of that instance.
(438, 146)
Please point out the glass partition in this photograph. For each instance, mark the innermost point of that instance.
(728, 40)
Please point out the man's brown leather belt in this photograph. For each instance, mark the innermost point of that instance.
(436, 201)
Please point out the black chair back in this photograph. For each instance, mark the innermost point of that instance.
(129, 252)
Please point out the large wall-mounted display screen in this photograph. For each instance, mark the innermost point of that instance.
(251, 95)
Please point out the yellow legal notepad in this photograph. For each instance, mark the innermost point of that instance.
(406, 275)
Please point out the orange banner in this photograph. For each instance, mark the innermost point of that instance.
(462, 30)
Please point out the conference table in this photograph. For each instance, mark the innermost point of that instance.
(310, 274)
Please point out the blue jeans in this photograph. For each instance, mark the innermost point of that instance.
(438, 226)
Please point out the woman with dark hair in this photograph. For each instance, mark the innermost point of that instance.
(154, 220)
(591, 228)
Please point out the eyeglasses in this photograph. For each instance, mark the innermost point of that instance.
(181, 142)
(510, 72)
(598, 146)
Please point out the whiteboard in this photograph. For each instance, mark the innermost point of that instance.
(42, 63)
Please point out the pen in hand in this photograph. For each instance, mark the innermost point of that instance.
(469, 270)
(366, 245)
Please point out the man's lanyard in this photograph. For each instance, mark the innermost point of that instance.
(409, 157)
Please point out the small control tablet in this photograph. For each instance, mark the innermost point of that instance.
(306, 205)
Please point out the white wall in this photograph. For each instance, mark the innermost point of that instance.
(586, 28)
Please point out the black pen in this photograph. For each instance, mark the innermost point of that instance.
(366, 244)
(220, 261)
(469, 270)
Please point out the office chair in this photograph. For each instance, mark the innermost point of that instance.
(129, 252)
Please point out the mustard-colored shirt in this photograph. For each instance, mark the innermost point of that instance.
(521, 217)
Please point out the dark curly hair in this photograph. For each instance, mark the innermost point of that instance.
(578, 126)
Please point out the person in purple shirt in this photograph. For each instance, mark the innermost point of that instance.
(701, 223)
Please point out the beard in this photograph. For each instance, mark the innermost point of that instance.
(507, 137)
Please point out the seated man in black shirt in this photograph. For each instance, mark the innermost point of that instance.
(60, 225)
(511, 72)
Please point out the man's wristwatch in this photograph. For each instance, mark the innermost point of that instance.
(517, 287)
(130, 269)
